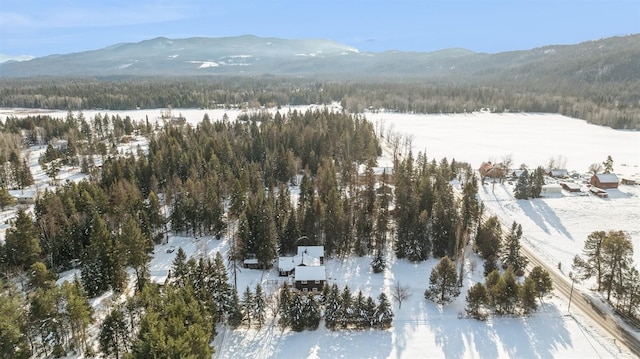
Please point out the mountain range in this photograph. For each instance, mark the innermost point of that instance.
(604, 60)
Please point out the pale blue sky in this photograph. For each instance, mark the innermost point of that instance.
(44, 27)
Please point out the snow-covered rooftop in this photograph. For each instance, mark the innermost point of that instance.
(314, 251)
(288, 263)
(310, 273)
(607, 178)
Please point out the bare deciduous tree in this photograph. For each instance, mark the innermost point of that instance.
(595, 168)
(400, 293)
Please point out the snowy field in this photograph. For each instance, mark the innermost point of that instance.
(554, 227)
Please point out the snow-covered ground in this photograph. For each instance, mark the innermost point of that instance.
(554, 227)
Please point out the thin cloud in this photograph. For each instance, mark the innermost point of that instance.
(95, 17)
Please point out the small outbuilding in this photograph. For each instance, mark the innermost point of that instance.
(570, 186)
(604, 180)
(628, 181)
(598, 192)
(251, 263)
(551, 189)
(558, 173)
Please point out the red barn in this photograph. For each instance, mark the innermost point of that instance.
(604, 180)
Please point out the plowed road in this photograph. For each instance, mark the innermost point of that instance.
(563, 287)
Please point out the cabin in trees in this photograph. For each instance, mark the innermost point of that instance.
(24, 196)
(288, 265)
(604, 180)
(159, 277)
(309, 278)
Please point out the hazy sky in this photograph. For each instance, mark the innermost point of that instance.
(44, 27)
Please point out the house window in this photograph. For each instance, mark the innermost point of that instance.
(305, 289)
(304, 282)
(314, 289)
(317, 282)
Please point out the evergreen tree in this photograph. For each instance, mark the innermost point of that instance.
(220, 288)
(345, 311)
(542, 281)
(536, 182)
(522, 189)
(444, 218)
(360, 315)
(13, 318)
(443, 282)
(511, 256)
(176, 325)
(311, 313)
(608, 165)
(490, 265)
(179, 268)
(286, 301)
(260, 305)
(46, 321)
(470, 207)
(78, 313)
(476, 299)
(104, 260)
(247, 304)
(137, 248)
(39, 277)
(528, 293)
(5, 198)
(332, 307)
(22, 244)
(617, 252)
(384, 313)
(628, 292)
(506, 292)
(235, 311)
(488, 239)
(592, 265)
(297, 312)
(490, 281)
(114, 334)
(369, 313)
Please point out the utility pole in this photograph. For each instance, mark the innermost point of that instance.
(571, 292)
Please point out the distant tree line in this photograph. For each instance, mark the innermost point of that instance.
(610, 103)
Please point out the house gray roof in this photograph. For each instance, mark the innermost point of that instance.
(607, 178)
(310, 273)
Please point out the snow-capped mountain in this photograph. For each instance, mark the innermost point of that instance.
(611, 59)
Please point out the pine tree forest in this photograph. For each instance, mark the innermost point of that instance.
(233, 178)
